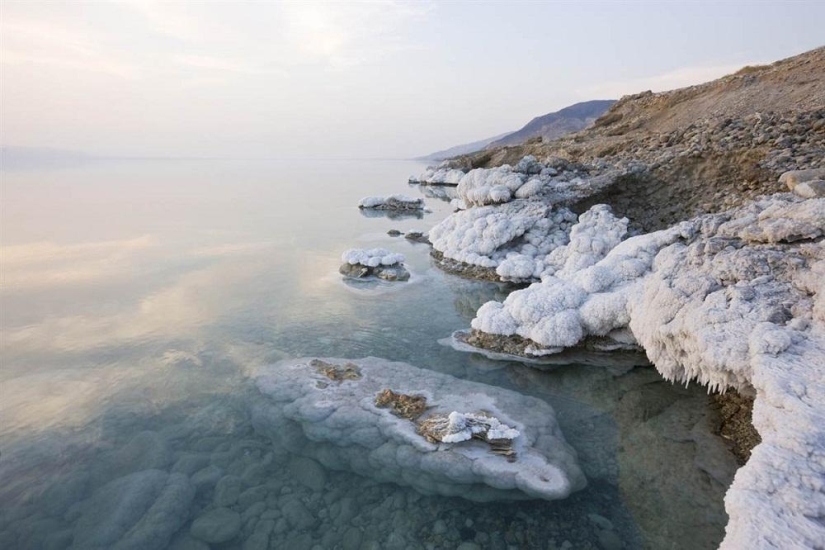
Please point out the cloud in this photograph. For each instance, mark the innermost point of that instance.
(337, 34)
(343, 35)
(193, 300)
(27, 41)
(175, 311)
(677, 78)
(47, 265)
(224, 64)
(177, 20)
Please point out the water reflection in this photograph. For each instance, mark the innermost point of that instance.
(392, 214)
(440, 192)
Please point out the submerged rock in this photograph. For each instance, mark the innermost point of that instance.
(138, 511)
(392, 273)
(145, 451)
(216, 526)
(341, 426)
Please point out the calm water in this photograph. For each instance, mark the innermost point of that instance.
(137, 297)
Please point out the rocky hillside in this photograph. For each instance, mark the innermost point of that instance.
(695, 150)
(555, 125)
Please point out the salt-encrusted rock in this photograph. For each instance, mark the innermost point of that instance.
(484, 186)
(375, 262)
(810, 189)
(371, 257)
(515, 449)
(141, 511)
(438, 176)
(393, 202)
(596, 233)
(795, 177)
(484, 236)
(529, 165)
(731, 300)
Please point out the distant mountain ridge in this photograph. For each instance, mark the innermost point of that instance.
(550, 126)
(555, 125)
(464, 149)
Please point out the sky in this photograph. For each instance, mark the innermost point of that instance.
(352, 79)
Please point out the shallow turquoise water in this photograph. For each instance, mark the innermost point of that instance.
(137, 298)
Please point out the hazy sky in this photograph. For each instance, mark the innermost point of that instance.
(377, 79)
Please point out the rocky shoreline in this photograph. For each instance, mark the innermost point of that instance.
(702, 255)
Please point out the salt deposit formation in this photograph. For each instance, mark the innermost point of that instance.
(393, 202)
(374, 262)
(502, 230)
(731, 300)
(394, 422)
(438, 175)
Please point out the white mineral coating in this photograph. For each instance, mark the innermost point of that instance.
(463, 426)
(339, 425)
(529, 178)
(530, 189)
(438, 176)
(810, 189)
(795, 177)
(560, 312)
(529, 165)
(597, 232)
(373, 257)
(140, 511)
(485, 235)
(484, 186)
(393, 202)
(731, 300)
